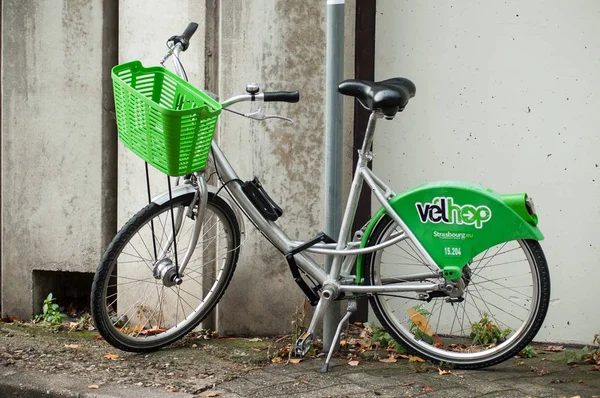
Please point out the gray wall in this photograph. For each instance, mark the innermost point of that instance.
(59, 153)
(281, 46)
(507, 97)
(54, 186)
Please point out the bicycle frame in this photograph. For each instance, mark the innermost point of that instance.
(343, 247)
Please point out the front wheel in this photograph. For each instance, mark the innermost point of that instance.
(135, 305)
(504, 300)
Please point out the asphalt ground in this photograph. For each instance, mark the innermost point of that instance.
(35, 362)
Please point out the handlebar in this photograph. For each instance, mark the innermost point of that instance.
(182, 42)
(184, 38)
(282, 96)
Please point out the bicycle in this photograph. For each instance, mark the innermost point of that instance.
(453, 271)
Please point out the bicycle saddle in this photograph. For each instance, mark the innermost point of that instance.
(390, 96)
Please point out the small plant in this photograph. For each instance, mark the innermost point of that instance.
(528, 352)
(581, 355)
(385, 340)
(50, 315)
(485, 332)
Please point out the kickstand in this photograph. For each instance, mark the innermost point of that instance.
(352, 306)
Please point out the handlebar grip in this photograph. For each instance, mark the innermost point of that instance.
(282, 96)
(189, 31)
(184, 38)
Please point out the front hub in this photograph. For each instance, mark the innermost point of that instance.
(166, 271)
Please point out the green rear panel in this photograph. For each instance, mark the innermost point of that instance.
(455, 221)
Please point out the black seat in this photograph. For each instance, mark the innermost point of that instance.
(390, 96)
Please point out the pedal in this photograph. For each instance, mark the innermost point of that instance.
(303, 344)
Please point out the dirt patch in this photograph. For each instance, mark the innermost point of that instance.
(192, 365)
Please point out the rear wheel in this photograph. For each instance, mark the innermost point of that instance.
(136, 306)
(505, 297)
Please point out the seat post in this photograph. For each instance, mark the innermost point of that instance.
(363, 154)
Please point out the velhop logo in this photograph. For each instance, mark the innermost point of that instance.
(444, 210)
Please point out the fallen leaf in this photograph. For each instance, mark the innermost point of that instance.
(98, 337)
(554, 348)
(112, 357)
(295, 360)
(407, 384)
(255, 349)
(428, 388)
(520, 363)
(276, 360)
(71, 346)
(172, 389)
(296, 383)
(389, 360)
(210, 394)
(353, 363)
(256, 339)
(93, 387)
(412, 358)
(420, 321)
(444, 372)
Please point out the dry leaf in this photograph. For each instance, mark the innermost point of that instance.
(255, 349)
(98, 337)
(444, 372)
(256, 339)
(295, 360)
(420, 321)
(353, 363)
(210, 394)
(428, 388)
(93, 387)
(276, 360)
(389, 360)
(71, 346)
(296, 383)
(520, 363)
(112, 357)
(407, 384)
(412, 358)
(172, 389)
(554, 348)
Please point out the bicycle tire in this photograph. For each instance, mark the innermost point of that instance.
(483, 336)
(137, 314)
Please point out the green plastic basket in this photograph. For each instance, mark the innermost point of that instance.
(163, 119)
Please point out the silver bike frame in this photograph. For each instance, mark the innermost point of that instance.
(343, 249)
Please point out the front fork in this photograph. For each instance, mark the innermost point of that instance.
(200, 198)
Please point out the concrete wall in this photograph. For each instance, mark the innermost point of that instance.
(507, 98)
(53, 191)
(281, 46)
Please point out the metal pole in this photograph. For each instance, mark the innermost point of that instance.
(333, 145)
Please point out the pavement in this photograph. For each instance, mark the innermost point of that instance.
(226, 368)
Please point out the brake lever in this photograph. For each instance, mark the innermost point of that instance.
(260, 115)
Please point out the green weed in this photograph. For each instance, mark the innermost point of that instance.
(50, 316)
(485, 332)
